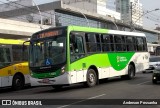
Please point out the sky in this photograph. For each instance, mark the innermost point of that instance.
(151, 5)
(147, 5)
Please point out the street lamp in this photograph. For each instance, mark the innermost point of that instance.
(114, 23)
(81, 13)
(39, 14)
(132, 24)
(85, 18)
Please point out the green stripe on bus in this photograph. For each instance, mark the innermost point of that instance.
(86, 29)
(98, 60)
(46, 74)
(119, 61)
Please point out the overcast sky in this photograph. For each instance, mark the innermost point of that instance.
(151, 5)
(147, 5)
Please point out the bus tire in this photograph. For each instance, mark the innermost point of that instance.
(154, 81)
(18, 82)
(131, 72)
(57, 87)
(91, 78)
(143, 71)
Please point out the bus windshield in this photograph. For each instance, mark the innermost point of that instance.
(48, 51)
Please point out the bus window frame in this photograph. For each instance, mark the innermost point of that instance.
(133, 43)
(80, 34)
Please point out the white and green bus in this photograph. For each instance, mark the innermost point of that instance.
(73, 54)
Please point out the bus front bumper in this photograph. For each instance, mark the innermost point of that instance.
(60, 80)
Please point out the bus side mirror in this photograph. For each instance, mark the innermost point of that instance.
(72, 38)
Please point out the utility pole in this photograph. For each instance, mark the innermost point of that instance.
(142, 16)
(131, 9)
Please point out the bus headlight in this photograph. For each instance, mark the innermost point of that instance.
(63, 70)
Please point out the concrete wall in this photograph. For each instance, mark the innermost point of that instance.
(14, 29)
(89, 5)
(107, 12)
(36, 18)
(19, 26)
(15, 5)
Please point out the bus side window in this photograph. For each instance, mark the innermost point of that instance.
(145, 44)
(135, 43)
(105, 40)
(91, 42)
(98, 42)
(112, 43)
(76, 47)
(140, 43)
(72, 42)
(17, 53)
(157, 51)
(5, 56)
(118, 43)
(124, 43)
(130, 43)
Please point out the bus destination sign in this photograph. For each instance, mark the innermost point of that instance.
(49, 34)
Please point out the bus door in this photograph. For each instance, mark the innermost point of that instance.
(5, 60)
(77, 53)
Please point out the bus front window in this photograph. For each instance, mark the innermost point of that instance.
(48, 52)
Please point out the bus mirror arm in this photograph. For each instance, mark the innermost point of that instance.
(23, 48)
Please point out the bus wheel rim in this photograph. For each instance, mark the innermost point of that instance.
(91, 78)
(18, 82)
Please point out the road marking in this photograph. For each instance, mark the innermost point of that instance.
(143, 82)
(81, 101)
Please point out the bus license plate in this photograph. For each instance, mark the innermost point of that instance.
(46, 80)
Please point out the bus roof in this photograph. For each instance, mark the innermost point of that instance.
(125, 33)
(10, 41)
(108, 31)
(96, 30)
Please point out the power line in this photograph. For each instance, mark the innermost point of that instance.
(29, 9)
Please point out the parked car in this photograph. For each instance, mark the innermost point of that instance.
(156, 75)
(154, 62)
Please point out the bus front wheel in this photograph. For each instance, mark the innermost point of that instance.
(18, 82)
(91, 78)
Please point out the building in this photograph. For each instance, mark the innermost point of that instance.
(131, 11)
(60, 13)
(97, 6)
(157, 28)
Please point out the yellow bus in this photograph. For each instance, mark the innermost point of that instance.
(14, 71)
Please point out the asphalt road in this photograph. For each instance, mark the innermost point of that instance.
(139, 88)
